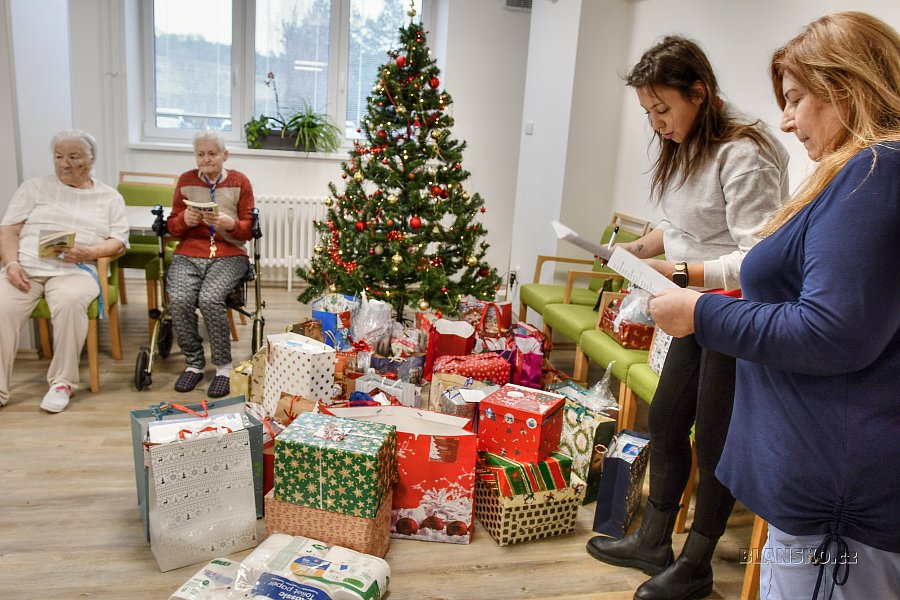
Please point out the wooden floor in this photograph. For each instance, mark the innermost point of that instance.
(70, 528)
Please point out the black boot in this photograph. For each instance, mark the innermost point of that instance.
(688, 578)
(648, 549)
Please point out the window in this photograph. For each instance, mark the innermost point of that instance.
(214, 64)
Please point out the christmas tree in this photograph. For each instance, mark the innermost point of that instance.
(404, 229)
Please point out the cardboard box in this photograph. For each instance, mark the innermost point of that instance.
(520, 423)
(369, 536)
(526, 517)
(334, 464)
(435, 491)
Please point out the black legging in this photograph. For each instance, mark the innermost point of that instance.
(696, 384)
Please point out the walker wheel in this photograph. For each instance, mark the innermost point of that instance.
(142, 378)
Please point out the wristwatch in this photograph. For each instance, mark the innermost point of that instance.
(680, 276)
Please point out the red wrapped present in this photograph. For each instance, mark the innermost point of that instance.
(482, 367)
(435, 492)
(631, 335)
(520, 423)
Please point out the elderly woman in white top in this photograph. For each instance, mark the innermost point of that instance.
(69, 201)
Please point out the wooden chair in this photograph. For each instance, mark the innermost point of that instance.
(750, 589)
(538, 295)
(108, 273)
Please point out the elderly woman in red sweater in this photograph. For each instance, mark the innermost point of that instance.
(211, 215)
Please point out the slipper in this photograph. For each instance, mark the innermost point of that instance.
(219, 387)
(187, 381)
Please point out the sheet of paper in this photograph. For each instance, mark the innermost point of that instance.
(568, 234)
(637, 271)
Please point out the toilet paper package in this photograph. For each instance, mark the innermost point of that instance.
(213, 582)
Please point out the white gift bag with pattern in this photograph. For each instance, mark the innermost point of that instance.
(299, 366)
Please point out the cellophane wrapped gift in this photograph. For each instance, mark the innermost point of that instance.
(286, 567)
(369, 536)
(299, 366)
(526, 517)
(335, 464)
(202, 499)
(435, 493)
(520, 423)
(483, 367)
(629, 334)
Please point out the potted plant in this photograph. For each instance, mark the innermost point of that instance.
(304, 130)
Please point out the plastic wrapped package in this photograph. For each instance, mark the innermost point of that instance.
(285, 567)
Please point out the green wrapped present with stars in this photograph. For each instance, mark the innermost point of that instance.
(334, 464)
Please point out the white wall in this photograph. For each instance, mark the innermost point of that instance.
(739, 38)
(9, 161)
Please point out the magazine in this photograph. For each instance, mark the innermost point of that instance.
(207, 207)
(51, 243)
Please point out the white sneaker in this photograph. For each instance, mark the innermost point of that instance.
(57, 399)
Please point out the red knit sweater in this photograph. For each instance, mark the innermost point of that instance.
(234, 195)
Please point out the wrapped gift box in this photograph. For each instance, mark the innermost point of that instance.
(239, 380)
(585, 435)
(514, 477)
(335, 464)
(525, 517)
(435, 491)
(520, 423)
(369, 536)
(631, 335)
(299, 366)
(258, 376)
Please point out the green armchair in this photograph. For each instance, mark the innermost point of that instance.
(143, 189)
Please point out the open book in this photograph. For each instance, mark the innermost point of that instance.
(208, 207)
(52, 243)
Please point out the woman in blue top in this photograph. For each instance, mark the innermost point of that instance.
(813, 443)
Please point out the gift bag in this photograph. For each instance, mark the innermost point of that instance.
(240, 379)
(619, 493)
(299, 366)
(407, 368)
(448, 337)
(258, 376)
(585, 435)
(311, 328)
(526, 359)
(494, 317)
(408, 394)
(335, 311)
(201, 499)
(140, 423)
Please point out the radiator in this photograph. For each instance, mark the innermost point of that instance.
(288, 235)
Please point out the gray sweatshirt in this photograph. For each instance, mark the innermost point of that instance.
(714, 216)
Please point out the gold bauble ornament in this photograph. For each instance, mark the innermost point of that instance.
(471, 261)
(329, 202)
(319, 249)
(436, 229)
(411, 13)
(358, 176)
(392, 199)
(401, 110)
(436, 134)
(423, 305)
(332, 289)
(465, 195)
(396, 259)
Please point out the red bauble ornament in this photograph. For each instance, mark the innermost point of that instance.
(436, 190)
(483, 209)
(381, 133)
(415, 222)
(484, 272)
(360, 225)
(401, 61)
(443, 193)
(390, 223)
(434, 82)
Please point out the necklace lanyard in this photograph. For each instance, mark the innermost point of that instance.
(212, 198)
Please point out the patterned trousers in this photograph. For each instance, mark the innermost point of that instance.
(203, 283)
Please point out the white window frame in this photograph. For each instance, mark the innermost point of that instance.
(243, 48)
